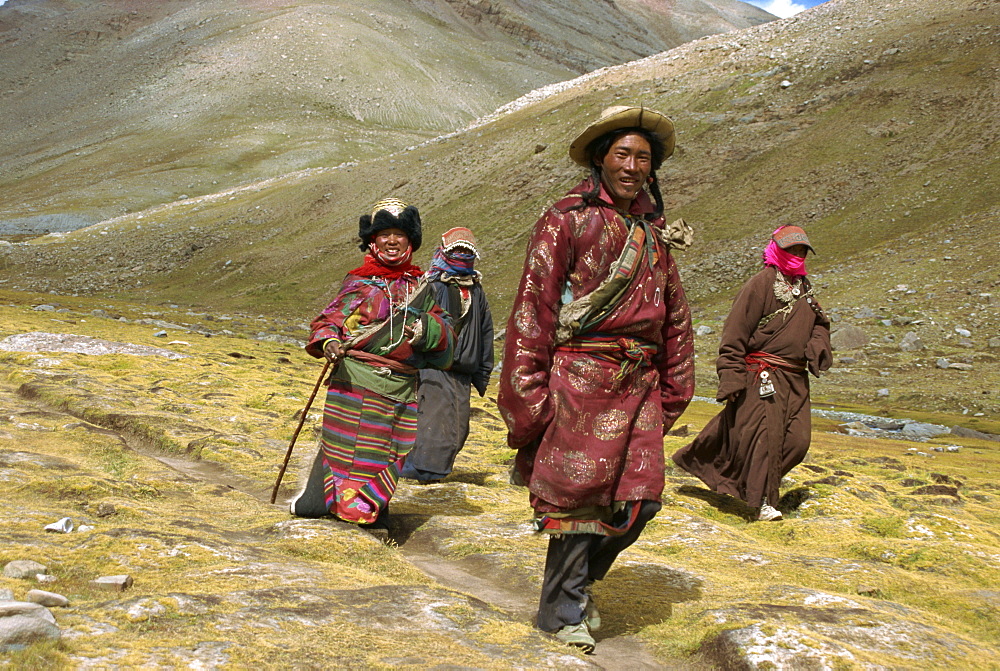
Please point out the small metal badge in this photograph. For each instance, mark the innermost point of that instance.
(766, 386)
(796, 291)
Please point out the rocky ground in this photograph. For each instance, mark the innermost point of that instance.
(159, 437)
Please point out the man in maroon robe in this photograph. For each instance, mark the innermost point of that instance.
(598, 362)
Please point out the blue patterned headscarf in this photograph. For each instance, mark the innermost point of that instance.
(454, 262)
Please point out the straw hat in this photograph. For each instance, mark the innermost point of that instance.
(621, 116)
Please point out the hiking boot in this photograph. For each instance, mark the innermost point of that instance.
(590, 613)
(768, 513)
(578, 636)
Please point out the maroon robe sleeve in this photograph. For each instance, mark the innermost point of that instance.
(676, 365)
(524, 380)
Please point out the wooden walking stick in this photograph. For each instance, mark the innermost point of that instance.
(302, 420)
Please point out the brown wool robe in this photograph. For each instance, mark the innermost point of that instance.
(746, 449)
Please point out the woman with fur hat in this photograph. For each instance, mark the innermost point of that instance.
(379, 330)
(775, 334)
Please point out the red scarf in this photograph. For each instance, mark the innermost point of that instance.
(373, 267)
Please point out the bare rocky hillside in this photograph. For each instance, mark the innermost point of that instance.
(872, 125)
(151, 370)
(116, 107)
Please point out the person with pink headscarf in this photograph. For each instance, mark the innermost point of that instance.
(775, 335)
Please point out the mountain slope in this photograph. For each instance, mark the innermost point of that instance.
(115, 107)
(879, 143)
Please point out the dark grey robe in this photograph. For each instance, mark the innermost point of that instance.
(443, 396)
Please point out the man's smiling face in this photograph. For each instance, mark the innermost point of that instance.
(625, 168)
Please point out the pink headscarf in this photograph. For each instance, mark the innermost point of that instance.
(788, 264)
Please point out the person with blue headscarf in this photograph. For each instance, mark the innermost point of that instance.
(443, 397)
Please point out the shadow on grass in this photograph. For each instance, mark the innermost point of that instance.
(790, 502)
(478, 478)
(402, 525)
(634, 596)
(721, 502)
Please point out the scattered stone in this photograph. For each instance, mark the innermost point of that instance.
(867, 590)
(63, 526)
(23, 568)
(965, 333)
(9, 608)
(882, 393)
(953, 448)
(848, 361)
(855, 429)
(45, 578)
(6, 594)
(865, 313)
(960, 366)
(911, 342)
(45, 308)
(112, 583)
(972, 433)
(47, 599)
(922, 430)
(848, 337)
(682, 430)
(20, 627)
(993, 343)
(539, 148)
(105, 509)
(942, 363)
(704, 330)
(885, 424)
(160, 334)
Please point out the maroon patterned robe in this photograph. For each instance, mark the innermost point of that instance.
(587, 434)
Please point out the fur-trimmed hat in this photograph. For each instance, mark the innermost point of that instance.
(390, 213)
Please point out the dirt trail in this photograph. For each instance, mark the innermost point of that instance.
(616, 653)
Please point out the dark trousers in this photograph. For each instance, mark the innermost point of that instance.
(574, 561)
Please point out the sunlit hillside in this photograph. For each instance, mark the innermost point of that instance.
(111, 108)
(867, 123)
